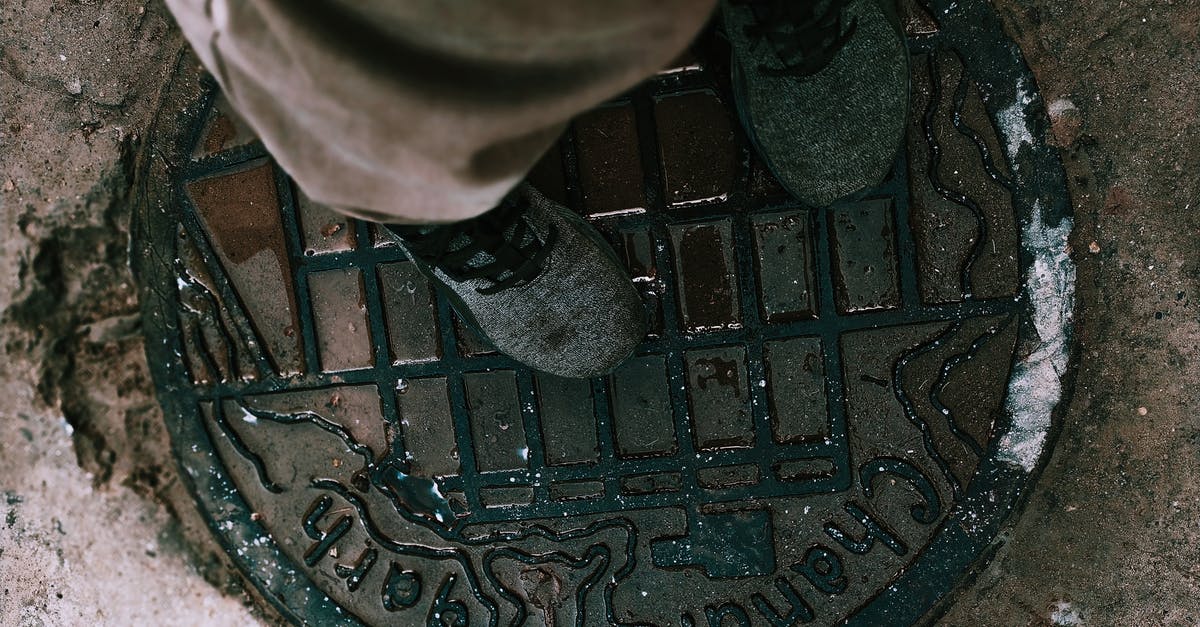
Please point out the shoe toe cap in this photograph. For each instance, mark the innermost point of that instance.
(595, 341)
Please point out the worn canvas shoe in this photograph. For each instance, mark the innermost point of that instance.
(821, 87)
(537, 281)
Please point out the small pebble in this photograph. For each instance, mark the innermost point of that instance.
(1094, 247)
(1142, 411)
(1066, 122)
(9, 185)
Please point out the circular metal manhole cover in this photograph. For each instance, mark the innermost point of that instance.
(834, 413)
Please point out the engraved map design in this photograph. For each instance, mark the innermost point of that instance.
(820, 427)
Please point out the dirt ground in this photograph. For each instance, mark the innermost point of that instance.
(97, 527)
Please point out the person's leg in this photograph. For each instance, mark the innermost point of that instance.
(428, 111)
(425, 110)
(431, 111)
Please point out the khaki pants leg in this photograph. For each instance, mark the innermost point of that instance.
(425, 110)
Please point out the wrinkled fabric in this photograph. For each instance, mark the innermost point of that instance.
(425, 110)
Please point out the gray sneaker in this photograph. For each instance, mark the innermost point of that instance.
(821, 87)
(540, 283)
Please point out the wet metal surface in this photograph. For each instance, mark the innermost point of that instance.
(818, 428)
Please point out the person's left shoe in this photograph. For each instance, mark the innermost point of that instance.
(538, 281)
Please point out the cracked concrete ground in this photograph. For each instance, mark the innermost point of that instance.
(98, 528)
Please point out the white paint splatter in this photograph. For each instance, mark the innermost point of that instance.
(1036, 385)
(1060, 106)
(1063, 613)
(1013, 122)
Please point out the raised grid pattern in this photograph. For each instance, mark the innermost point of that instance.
(760, 466)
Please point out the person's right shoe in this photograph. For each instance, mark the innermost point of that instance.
(537, 280)
(821, 87)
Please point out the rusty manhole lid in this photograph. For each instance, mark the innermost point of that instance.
(834, 414)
